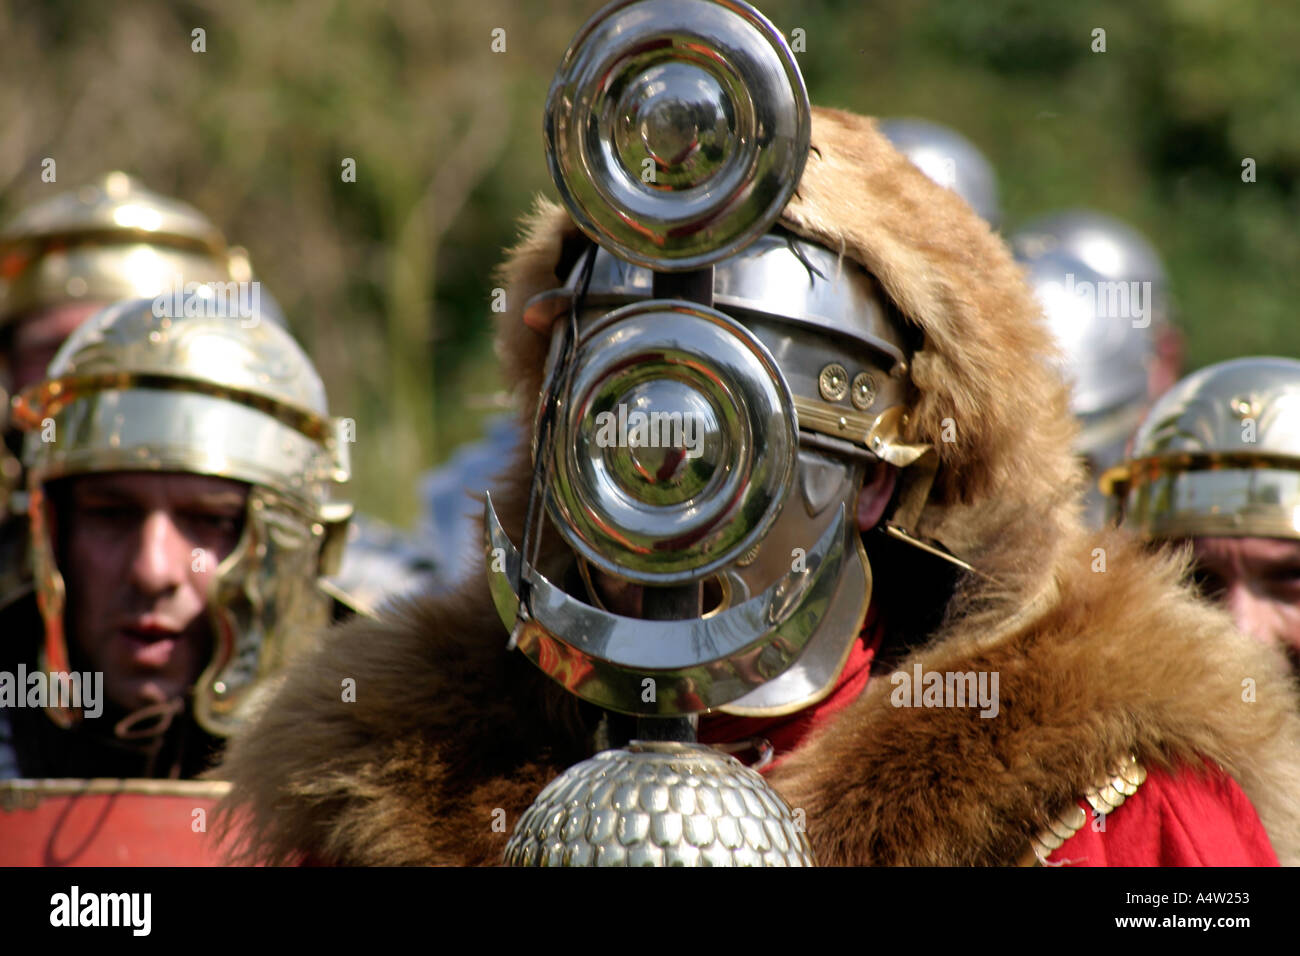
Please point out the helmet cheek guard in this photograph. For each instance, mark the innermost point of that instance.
(273, 569)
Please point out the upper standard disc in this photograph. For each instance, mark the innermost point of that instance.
(676, 130)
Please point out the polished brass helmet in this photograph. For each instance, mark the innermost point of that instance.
(1217, 455)
(110, 239)
(142, 387)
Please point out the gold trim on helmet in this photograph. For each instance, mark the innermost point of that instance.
(1208, 495)
(134, 391)
(1217, 456)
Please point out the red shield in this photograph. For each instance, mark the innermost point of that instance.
(108, 822)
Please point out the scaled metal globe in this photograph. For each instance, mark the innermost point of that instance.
(659, 804)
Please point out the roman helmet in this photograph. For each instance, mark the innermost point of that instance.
(1104, 352)
(716, 388)
(1108, 246)
(1104, 294)
(1218, 455)
(107, 240)
(950, 159)
(205, 389)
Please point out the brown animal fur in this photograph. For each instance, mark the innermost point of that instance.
(448, 727)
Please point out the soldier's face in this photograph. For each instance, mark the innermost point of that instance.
(38, 336)
(1258, 580)
(138, 552)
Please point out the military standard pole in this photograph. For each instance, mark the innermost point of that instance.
(685, 602)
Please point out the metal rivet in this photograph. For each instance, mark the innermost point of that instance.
(863, 392)
(1244, 406)
(833, 382)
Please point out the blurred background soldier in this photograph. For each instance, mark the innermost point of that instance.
(179, 477)
(1216, 463)
(65, 258)
(1104, 292)
(950, 159)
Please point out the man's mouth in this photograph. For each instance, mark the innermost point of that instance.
(150, 643)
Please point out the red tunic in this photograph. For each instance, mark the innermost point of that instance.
(1185, 818)
(786, 733)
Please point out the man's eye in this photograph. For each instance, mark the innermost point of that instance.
(223, 523)
(120, 513)
(1285, 581)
